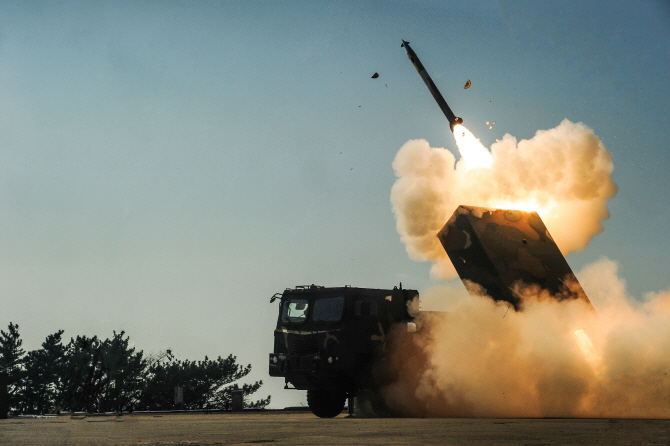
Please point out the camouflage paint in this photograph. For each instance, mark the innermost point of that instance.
(509, 254)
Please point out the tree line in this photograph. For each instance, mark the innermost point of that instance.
(95, 375)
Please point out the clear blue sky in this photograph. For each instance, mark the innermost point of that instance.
(165, 167)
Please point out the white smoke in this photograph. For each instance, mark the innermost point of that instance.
(556, 359)
(564, 173)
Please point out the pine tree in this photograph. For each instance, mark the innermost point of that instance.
(44, 372)
(11, 364)
(84, 375)
(125, 370)
(206, 384)
(100, 376)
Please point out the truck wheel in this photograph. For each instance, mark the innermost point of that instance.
(325, 404)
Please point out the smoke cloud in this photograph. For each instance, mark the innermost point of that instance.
(480, 358)
(554, 359)
(564, 173)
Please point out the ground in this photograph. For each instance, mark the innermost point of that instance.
(282, 428)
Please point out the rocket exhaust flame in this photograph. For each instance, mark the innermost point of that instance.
(471, 149)
(475, 155)
(586, 346)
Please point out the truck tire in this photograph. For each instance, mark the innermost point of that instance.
(326, 404)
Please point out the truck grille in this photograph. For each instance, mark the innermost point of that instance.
(302, 345)
(300, 363)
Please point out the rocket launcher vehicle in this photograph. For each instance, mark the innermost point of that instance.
(451, 117)
(508, 253)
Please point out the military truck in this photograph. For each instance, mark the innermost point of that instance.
(327, 340)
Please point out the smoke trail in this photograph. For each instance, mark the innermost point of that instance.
(564, 173)
(552, 359)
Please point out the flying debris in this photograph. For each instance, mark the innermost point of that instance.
(467, 84)
(487, 123)
(453, 119)
(375, 76)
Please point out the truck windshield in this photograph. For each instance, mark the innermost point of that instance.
(294, 311)
(328, 309)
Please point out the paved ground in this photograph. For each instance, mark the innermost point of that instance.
(280, 428)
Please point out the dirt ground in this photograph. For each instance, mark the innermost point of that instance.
(280, 428)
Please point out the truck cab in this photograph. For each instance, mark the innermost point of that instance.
(328, 339)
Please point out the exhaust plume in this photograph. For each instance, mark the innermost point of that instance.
(554, 359)
(478, 357)
(565, 174)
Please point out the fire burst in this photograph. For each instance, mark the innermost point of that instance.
(472, 150)
(476, 156)
(586, 346)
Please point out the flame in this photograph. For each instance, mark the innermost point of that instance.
(476, 155)
(526, 205)
(472, 150)
(586, 346)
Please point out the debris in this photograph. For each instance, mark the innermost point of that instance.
(491, 126)
(487, 123)
(509, 305)
(375, 76)
(494, 122)
(467, 84)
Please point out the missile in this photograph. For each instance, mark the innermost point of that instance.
(451, 117)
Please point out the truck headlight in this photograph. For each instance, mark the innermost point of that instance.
(330, 360)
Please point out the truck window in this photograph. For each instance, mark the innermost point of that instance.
(294, 311)
(365, 308)
(328, 309)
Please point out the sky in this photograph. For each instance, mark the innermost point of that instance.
(166, 167)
